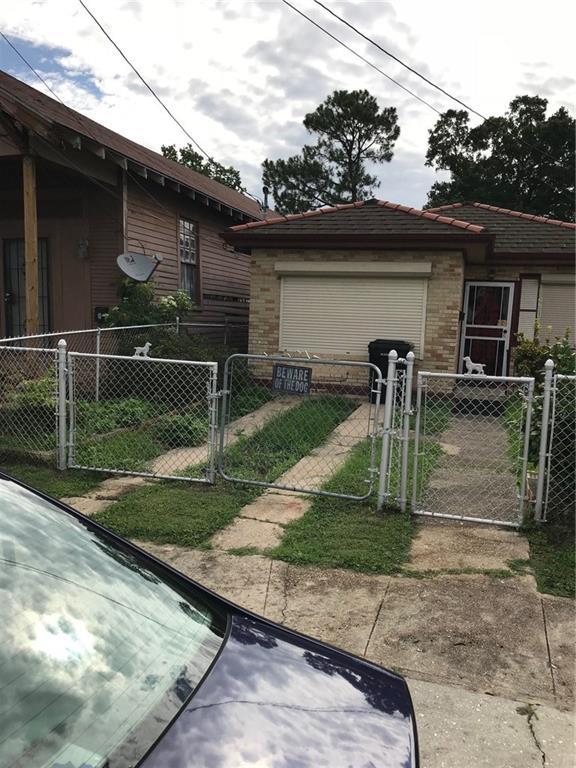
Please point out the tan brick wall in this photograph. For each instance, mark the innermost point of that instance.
(443, 303)
(513, 271)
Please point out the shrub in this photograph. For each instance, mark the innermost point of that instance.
(181, 431)
(30, 406)
(108, 415)
(139, 306)
(529, 359)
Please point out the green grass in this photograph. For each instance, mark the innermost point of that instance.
(190, 514)
(183, 514)
(130, 451)
(54, 482)
(553, 559)
(286, 438)
(338, 533)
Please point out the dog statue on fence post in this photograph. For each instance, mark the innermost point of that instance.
(142, 351)
(474, 367)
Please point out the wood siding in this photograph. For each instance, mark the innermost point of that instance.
(152, 222)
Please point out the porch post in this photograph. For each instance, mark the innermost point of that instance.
(30, 242)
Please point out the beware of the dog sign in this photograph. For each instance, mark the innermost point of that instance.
(295, 379)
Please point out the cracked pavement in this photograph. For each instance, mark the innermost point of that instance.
(489, 662)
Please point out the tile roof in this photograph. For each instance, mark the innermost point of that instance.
(516, 231)
(370, 217)
(18, 98)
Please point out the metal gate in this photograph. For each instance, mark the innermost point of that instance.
(471, 443)
(293, 423)
(142, 416)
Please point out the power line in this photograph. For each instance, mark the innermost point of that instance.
(358, 55)
(396, 58)
(542, 152)
(153, 92)
(38, 75)
(144, 82)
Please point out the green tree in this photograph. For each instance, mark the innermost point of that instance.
(523, 160)
(225, 174)
(351, 131)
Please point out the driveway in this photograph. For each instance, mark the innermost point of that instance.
(489, 661)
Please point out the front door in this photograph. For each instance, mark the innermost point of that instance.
(15, 286)
(486, 326)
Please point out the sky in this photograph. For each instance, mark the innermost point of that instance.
(241, 74)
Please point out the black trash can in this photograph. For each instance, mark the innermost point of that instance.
(378, 355)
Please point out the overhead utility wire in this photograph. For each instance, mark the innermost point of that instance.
(153, 92)
(358, 55)
(144, 82)
(542, 152)
(38, 75)
(396, 58)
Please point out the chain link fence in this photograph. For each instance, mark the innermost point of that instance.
(291, 423)
(29, 415)
(560, 500)
(142, 416)
(471, 447)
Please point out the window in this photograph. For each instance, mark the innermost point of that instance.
(188, 239)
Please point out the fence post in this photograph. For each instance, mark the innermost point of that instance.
(98, 341)
(543, 451)
(419, 387)
(62, 356)
(388, 405)
(407, 413)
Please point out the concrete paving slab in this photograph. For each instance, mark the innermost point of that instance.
(244, 532)
(277, 508)
(114, 487)
(555, 732)
(459, 728)
(86, 505)
(476, 631)
(444, 544)
(339, 607)
(560, 615)
(473, 475)
(244, 580)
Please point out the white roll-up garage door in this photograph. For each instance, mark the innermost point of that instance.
(339, 315)
(558, 306)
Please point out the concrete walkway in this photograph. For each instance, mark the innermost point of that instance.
(473, 476)
(176, 460)
(489, 661)
(260, 524)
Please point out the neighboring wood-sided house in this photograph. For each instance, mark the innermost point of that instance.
(74, 195)
(459, 281)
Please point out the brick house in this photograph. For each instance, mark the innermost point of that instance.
(461, 280)
(74, 195)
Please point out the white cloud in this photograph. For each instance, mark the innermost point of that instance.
(241, 75)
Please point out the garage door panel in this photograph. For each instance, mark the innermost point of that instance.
(340, 315)
(558, 309)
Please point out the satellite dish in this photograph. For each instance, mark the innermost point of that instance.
(138, 266)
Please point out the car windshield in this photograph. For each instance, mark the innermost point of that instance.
(98, 649)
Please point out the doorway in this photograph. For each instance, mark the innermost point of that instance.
(486, 326)
(15, 287)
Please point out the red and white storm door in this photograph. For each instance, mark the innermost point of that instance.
(486, 326)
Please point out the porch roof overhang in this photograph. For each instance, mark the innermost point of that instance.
(39, 124)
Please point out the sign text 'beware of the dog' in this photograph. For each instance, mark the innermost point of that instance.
(295, 379)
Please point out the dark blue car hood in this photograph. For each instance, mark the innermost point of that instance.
(277, 700)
